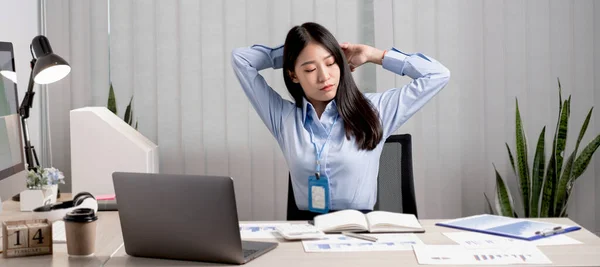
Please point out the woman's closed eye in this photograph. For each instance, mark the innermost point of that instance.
(310, 70)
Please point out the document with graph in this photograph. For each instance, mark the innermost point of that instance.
(459, 255)
(524, 229)
(342, 243)
(259, 230)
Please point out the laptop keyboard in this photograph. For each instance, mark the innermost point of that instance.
(248, 252)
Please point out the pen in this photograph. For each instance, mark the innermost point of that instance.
(555, 230)
(359, 236)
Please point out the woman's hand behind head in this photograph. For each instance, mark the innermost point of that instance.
(358, 54)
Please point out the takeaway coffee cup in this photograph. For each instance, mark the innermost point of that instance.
(80, 229)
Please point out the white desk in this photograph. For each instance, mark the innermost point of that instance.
(110, 250)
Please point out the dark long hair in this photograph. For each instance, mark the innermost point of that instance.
(361, 120)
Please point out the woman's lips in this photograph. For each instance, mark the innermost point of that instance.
(327, 87)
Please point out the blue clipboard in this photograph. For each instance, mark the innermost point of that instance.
(523, 229)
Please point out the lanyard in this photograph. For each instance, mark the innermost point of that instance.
(317, 151)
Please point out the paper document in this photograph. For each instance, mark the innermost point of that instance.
(259, 230)
(459, 255)
(342, 243)
(477, 240)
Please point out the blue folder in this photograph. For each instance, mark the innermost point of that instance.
(524, 229)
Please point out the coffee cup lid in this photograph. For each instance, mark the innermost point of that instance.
(81, 215)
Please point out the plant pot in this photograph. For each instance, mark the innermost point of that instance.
(34, 198)
(52, 191)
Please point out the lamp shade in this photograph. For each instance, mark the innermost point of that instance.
(49, 67)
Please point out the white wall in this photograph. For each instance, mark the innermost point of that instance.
(19, 21)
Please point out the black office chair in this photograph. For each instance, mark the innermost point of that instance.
(395, 186)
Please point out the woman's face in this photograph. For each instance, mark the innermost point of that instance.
(317, 73)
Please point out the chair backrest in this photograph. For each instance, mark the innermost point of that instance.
(293, 213)
(395, 186)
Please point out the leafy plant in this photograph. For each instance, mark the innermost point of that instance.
(112, 106)
(545, 189)
(36, 179)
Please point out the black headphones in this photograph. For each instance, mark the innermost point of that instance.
(54, 212)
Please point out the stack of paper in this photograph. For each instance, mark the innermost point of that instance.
(459, 255)
(342, 243)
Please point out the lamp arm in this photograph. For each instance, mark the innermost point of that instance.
(28, 98)
(30, 154)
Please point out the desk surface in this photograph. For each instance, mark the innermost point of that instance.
(110, 250)
(290, 254)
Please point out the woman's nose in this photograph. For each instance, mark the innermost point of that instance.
(323, 75)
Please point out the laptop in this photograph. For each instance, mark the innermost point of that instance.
(182, 217)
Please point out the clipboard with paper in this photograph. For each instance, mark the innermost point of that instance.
(524, 229)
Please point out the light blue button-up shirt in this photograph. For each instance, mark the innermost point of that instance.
(352, 172)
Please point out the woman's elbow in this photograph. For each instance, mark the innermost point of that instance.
(445, 75)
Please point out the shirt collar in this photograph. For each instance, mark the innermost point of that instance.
(331, 108)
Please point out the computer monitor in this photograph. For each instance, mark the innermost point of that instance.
(12, 164)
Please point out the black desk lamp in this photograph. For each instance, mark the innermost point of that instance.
(46, 69)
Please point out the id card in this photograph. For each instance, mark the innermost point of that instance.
(318, 194)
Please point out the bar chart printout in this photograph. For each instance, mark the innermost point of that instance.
(455, 254)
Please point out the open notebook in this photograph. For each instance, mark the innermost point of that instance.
(374, 222)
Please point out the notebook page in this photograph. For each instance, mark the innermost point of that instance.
(341, 220)
(385, 219)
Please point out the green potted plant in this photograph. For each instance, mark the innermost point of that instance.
(112, 106)
(545, 188)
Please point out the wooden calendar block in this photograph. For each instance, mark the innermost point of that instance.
(26, 238)
(17, 236)
(40, 234)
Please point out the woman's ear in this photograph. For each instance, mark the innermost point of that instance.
(293, 76)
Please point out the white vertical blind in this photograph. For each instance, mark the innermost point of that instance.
(173, 57)
(497, 51)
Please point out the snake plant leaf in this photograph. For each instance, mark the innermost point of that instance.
(561, 189)
(537, 175)
(584, 158)
(511, 158)
(487, 200)
(128, 116)
(522, 164)
(112, 103)
(551, 179)
(561, 138)
(503, 199)
(569, 176)
(559, 94)
(548, 192)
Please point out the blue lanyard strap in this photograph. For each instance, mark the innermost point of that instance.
(319, 152)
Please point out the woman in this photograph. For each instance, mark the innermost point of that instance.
(333, 135)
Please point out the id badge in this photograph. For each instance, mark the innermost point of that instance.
(318, 194)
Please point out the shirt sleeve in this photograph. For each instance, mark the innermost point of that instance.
(397, 105)
(270, 106)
